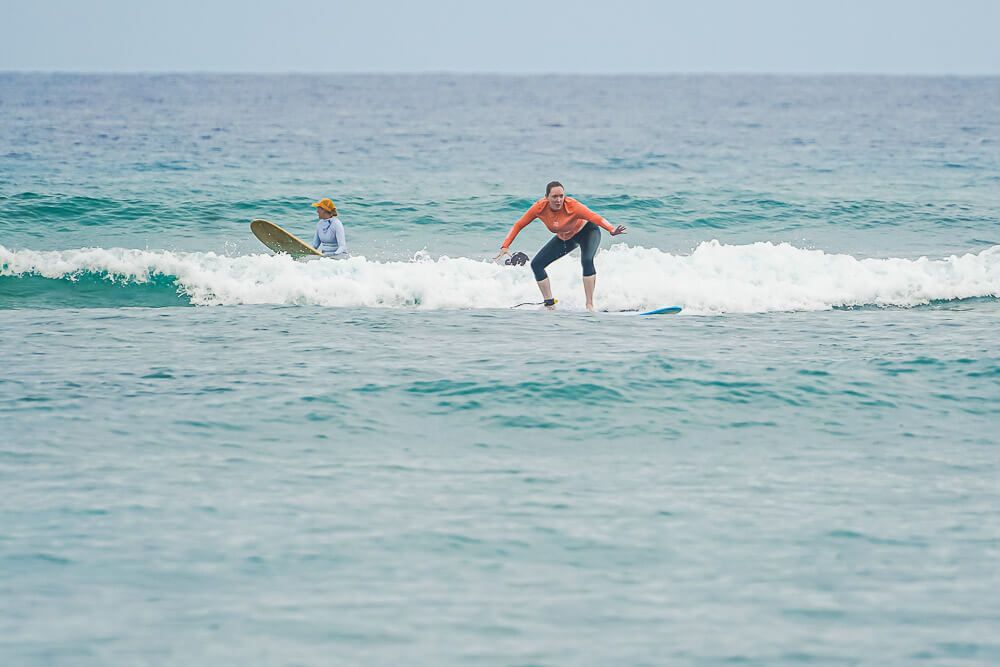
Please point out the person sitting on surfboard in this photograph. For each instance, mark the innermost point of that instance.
(574, 225)
(329, 238)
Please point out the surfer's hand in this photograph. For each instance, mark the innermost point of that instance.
(503, 251)
(620, 229)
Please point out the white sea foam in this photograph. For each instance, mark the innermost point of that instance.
(715, 278)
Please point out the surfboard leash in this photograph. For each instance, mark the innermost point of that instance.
(547, 302)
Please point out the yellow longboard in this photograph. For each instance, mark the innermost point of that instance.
(278, 240)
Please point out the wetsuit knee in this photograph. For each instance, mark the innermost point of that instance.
(590, 241)
(538, 265)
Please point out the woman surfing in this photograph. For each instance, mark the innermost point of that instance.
(574, 226)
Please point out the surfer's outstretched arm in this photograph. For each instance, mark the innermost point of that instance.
(525, 220)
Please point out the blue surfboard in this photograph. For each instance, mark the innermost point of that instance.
(669, 310)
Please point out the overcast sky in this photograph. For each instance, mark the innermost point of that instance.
(517, 36)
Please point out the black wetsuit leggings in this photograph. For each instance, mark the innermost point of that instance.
(588, 238)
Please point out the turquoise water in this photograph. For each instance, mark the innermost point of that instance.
(214, 456)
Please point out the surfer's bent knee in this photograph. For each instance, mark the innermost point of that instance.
(538, 268)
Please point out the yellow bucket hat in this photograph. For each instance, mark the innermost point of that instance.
(326, 205)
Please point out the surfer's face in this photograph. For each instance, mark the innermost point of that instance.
(556, 197)
(323, 214)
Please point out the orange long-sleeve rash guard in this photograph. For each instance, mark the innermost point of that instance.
(564, 223)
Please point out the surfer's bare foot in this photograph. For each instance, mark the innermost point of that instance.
(590, 307)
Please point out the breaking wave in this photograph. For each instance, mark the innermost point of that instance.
(714, 278)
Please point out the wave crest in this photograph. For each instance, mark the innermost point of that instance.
(714, 278)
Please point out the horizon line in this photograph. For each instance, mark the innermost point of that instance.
(95, 72)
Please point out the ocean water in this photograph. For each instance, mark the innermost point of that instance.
(212, 455)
